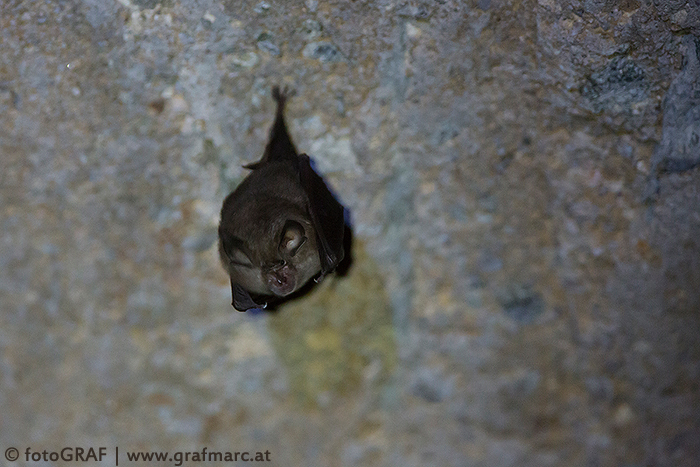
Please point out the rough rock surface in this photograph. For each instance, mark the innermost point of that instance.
(517, 297)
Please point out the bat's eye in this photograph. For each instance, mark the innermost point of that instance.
(235, 250)
(240, 258)
(292, 238)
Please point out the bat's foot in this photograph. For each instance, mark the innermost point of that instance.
(281, 95)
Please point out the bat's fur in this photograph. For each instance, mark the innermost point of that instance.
(281, 226)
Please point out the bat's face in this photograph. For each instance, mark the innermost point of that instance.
(276, 260)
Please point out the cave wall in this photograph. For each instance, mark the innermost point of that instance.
(524, 190)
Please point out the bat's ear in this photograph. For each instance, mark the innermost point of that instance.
(242, 300)
(292, 237)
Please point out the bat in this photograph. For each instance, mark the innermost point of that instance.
(281, 227)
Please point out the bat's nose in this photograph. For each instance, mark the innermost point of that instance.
(281, 281)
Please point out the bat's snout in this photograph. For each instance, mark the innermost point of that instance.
(281, 281)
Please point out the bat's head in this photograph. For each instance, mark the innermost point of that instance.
(284, 266)
(276, 259)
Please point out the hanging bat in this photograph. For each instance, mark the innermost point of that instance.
(281, 226)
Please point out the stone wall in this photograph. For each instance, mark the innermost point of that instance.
(524, 189)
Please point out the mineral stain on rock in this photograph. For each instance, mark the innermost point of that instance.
(679, 149)
(338, 339)
(323, 51)
(150, 4)
(522, 304)
(265, 43)
(620, 83)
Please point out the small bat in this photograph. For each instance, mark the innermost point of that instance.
(281, 226)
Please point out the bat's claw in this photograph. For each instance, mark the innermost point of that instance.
(282, 94)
